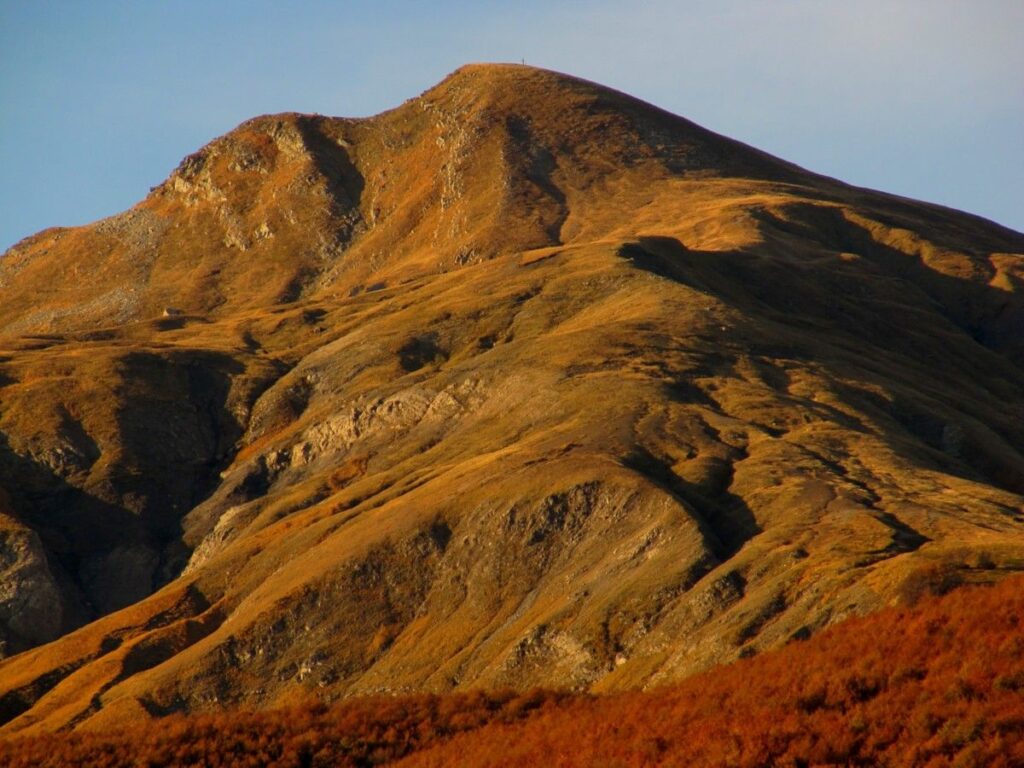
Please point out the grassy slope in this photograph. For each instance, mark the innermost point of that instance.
(937, 684)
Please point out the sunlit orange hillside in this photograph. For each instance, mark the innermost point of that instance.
(522, 383)
(941, 684)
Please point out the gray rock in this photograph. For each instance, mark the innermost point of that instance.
(30, 601)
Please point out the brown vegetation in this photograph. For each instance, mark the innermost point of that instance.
(363, 732)
(940, 684)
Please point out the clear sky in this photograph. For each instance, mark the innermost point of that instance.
(100, 99)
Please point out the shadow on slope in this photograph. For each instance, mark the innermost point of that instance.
(110, 517)
(725, 519)
(918, 364)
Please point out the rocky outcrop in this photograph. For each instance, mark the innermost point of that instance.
(30, 598)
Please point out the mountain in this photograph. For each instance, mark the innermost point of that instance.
(525, 382)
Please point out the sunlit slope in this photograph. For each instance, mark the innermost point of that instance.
(938, 684)
(524, 382)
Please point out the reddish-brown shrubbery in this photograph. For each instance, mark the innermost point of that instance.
(358, 732)
(939, 684)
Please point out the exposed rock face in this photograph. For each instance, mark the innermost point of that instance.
(524, 382)
(29, 596)
(30, 599)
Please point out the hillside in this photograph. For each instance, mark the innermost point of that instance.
(522, 383)
(938, 685)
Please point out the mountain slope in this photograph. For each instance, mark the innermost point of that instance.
(524, 382)
(939, 685)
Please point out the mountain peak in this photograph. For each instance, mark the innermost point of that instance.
(503, 75)
(492, 160)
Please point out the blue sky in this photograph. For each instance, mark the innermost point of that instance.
(100, 99)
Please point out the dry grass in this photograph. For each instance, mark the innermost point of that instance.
(936, 685)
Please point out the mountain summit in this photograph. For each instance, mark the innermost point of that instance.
(494, 160)
(523, 382)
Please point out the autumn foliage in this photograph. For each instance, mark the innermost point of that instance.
(358, 732)
(938, 684)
